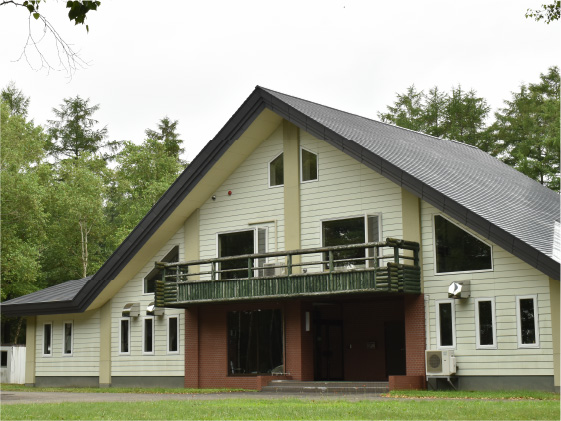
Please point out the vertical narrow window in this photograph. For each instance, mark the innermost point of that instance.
(309, 162)
(173, 335)
(445, 325)
(47, 338)
(276, 171)
(148, 346)
(527, 321)
(4, 359)
(67, 337)
(485, 324)
(124, 343)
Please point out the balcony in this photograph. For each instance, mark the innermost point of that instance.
(391, 266)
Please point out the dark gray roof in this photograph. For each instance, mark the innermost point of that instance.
(476, 189)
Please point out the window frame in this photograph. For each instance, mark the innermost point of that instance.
(534, 297)
(50, 354)
(255, 230)
(435, 251)
(302, 164)
(478, 344)
(121, 320)
(269, 171)
(177, 333)
(71, 323)
(144, 320)
(437, 324)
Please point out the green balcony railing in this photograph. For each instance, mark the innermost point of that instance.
(389, 266)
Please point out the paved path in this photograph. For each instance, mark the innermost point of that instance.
(15, 397)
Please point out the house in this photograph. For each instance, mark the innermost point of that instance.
(364, 245)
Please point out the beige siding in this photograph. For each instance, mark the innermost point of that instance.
(138, 364)
(509, 278)
(84, 360)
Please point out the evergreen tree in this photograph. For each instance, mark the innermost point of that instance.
(167, 135)
(16, 101)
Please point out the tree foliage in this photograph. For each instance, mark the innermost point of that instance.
(16, 101)
(548, 13)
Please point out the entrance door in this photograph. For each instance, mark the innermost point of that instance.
(395, 348)
(329, 350)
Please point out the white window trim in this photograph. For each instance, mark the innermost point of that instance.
(178, 334)
(144, 352)
(71, 323)
(255, 238)
(43, 341)
(302, 163)
(269, 171)
(536, 321)
(434, 251)
(437, 316)
(494, 321)
(129, 335)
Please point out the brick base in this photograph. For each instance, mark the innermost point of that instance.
(407, 382)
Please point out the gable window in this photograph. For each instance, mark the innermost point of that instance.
(527, 321)
(338, 232)
(239, 243)
(173, 335)
(276, 171)
(155, 274)
(309, 163)
(68, 338)
(148, 336)
(457, 250)
(445, 324)
(124, 337)
(486, 335)
(47, 339)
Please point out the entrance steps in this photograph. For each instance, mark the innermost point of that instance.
(297, 387)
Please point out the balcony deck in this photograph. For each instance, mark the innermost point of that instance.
(292, 274)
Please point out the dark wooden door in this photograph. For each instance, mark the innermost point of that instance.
(329, 350)
(395, 348)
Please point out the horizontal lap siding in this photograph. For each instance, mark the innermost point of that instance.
(510, 278)
(84, 360)
(138, 364)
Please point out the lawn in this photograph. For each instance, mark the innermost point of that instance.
(293, 409)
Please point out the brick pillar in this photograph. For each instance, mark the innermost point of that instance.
(192, 347)
(298, 345)
(415, 335)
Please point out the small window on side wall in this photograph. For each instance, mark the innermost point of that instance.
(124, 337)
(173, 335)
(148, 336)
(445, 324)
(527, 321)
(47, 339)
(486, 331)
(309, 162)
(68, 338)
(457, 250)
(276, 171)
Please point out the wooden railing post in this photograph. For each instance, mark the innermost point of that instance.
(330, 261)
(212, 271)
(249, 267)
(289, 264)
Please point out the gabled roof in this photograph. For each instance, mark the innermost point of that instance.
(493, 199)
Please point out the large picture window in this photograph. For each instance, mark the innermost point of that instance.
(155, 274)
(255, 342)
(457, 250)
(338, 232)
(239, 243)
(486, 336)
(445, 324)
(527, 321)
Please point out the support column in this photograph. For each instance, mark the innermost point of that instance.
(291, 157)
(192, 347)
(554, 302)
(415, 335)
(105, 346)
(191, 230)
(411, 222)
(299, 343)
(30, 349)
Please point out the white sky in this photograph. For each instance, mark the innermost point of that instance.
(196, 62)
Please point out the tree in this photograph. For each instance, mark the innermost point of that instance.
(16, 101)
(167, 135)
(527, 129)
(548, 12)
(74, 133)
(407, 110)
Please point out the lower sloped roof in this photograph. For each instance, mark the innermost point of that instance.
(491, 198)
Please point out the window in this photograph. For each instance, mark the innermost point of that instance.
(309, 162)
(458, 250)
(445, 324)
(239, 243)
(276, 171)
(4, 359)
(155, 274)
(173, 335)
(338, 232)
(67, 335)
(486, 335)
(148, 336)
(47, 339)
(125, 336)
(527, 321)
(255, 341)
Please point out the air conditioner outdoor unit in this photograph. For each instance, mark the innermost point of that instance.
(440, 363)
(269, 269)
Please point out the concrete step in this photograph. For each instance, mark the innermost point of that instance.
(294, 386)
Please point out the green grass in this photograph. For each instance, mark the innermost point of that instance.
(461, 394)
(293, 409)
(157, 390)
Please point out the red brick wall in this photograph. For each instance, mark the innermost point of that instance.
(415, 334)
(192, 347)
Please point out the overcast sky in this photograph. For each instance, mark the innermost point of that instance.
(196, 62)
